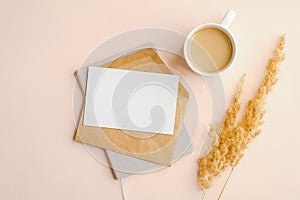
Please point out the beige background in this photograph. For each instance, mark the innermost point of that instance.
(43, 42)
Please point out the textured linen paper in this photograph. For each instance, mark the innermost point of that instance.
(123, 99)
(159, 148)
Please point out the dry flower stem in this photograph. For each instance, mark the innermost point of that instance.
(204, 195)
(216, 161)
(219, 197)
(235, 135)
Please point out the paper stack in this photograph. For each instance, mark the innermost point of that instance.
(134, 109)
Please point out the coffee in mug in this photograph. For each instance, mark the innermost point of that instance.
(210, 48)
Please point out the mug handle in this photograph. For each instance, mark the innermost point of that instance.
(228, 18)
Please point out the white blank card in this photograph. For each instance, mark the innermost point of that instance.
(131, 100)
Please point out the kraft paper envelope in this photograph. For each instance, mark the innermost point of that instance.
(123, 165)
(154, 148)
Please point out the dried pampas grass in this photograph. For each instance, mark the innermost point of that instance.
(236, 134)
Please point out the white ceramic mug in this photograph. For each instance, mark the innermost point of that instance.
(223, 26)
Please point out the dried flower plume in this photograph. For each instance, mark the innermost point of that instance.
(236, 134)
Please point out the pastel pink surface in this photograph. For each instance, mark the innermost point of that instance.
(44, 42)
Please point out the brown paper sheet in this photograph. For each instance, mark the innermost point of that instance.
(157, 148)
